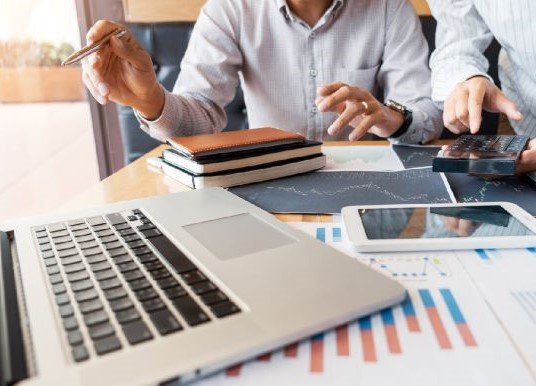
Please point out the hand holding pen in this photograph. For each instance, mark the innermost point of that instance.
(116, 68)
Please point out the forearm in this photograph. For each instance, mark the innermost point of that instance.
(183, 115)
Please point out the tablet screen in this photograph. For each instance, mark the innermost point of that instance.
(441, 222)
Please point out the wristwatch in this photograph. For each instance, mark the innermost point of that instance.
(407, 113)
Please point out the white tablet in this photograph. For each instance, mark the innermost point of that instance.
(393, 228)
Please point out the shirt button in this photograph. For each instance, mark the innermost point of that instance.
(314, 109)
(313, 72)
(312, 35)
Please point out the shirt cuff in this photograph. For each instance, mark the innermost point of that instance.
(445, 84)
(163, 127)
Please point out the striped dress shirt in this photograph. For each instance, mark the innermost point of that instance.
(280, 61)
(466, 28)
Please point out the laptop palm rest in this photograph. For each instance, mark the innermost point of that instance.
(237, 236)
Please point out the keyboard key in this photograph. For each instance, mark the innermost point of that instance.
(102, 266)
(41, 233)
(137, 332)
(53, 270)
(203, 287)
(74, 268)
(82, 296)
(133, 275)
(165, 322)
(43, 240)
(127, 267)
(50, 262)
(107, 345)
(76, 222)
(136, 244)
(62, 299)
(62, 240)
(59, 289)
(122, 227)
(96, 259)
(45, 247)
(79, 234)
(110, 283)
(127, 316)
(146, 294)
(47, 254)
(77, 276)
(224, 309)
(213, 297)
(82, 285)
(80, 353)
(160, 274)
(147, 258)
(76, 228)
(127, 232)
(153, 305)
(71, 260)
(64, 246)
(130, 238)
(55, 279)
(121, 304)
(132, 218)
(92, 251)
(85, 239)
(108, 239)
(70, 323)
(56, 227)
(103, 275)
(139, 284)
(175, 292)
(75, 337)
(172, 254)
(66, 311)
(102, 227)
(115, 218)
(146, 227)
(154, 265)
(95, 317)
(113, 245)
(97, 220)
(122, 259)
(101, 331)
(88, 245)
(105, 232)
(67, 253)
(60, 233)
(118, 252)
(90, 306)
(167, 282)
(115, 293)
(141, 251)
(190, 310)
(193, 277)
(151, 233)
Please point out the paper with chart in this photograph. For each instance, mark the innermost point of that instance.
(330, 192)
(416, 156)
(507, 279)
(443, 334)
(361, 158)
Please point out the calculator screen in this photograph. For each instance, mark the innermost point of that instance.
(441, 222)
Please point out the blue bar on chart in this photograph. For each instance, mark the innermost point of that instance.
(457, 316)
(337, 234)
(321, 234)
(483, 255)
(411, 316)
(391, 335)
(435, 320)
(532, 250)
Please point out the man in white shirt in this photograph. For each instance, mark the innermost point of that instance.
(459, 80)
(364, 53)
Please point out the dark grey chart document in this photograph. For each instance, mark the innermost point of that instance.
(329, 192)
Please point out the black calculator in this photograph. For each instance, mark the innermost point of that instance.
(482, 154)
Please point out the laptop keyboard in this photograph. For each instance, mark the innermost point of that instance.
(112, 287)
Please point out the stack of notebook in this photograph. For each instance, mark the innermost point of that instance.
(240, 157)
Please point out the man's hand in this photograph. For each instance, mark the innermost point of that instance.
(122, 72)
(359, 109)
(463, 108)
(527, 162)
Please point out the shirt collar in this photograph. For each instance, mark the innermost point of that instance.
(287, 13)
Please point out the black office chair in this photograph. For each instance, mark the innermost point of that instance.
(166, 43)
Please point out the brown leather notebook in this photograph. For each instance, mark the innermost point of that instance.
(230, 142)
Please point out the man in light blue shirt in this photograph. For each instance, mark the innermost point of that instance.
(459, 80)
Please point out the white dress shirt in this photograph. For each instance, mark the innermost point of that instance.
(280, 61)
(466, 28)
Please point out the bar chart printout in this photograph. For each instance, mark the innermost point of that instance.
(443, 328)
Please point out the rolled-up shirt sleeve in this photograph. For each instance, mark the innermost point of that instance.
(404, 74)
(462, 36)
(208, 78)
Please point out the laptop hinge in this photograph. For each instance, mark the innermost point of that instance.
(12, 354)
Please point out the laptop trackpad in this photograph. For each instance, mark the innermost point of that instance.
(236, 236)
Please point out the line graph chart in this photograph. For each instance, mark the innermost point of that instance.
(416, 156)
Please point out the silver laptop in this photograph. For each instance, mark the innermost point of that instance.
(165, 288)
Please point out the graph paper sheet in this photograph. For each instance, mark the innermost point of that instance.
(443, 334)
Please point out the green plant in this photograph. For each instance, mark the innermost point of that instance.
(28, 53)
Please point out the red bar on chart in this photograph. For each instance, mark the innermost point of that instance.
(391, 335)
(367, 339)
(317, 353)
(410, 315)
(457, 316)
(291, 351)
(435, 320)
(265, 357)
(343, 341)
(233, 371)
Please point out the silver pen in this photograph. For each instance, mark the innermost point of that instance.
(88, 50)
